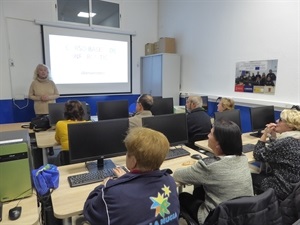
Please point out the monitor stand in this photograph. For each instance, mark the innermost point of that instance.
(257, 134)
(99, 165)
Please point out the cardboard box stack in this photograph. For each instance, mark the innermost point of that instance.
(163, 45)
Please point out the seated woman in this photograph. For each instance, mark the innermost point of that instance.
(74, 113)
(282, 155)
(146, 194)
(225, 104)
(220, 178)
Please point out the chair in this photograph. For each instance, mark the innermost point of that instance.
(290, 207)
(259, 209)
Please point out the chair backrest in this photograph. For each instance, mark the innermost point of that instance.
(290, 207)
(259, 209)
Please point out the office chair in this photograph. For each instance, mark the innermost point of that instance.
(259, 209)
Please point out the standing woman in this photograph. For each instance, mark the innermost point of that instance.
(42, 90)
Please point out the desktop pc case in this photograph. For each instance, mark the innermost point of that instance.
(15, 180)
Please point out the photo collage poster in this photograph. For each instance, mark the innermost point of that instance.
(256, 76)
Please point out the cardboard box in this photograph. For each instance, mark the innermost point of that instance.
(149, 48)
(156, 47)
(166, 45)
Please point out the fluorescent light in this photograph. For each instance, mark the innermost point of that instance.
(85, 14)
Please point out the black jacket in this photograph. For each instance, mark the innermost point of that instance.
(199, 123)
(290, 207)
(243, 210)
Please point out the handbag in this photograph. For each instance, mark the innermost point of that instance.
(45, 178)
(40, 123)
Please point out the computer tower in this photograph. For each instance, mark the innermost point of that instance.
(15, 180)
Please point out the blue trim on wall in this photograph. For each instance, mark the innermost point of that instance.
(11, 112)
(245, 114)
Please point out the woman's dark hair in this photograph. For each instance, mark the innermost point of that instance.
(228, 134)
(74, 110)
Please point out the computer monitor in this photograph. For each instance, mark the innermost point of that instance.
(260, 116)
(92, 141)
(173, 126)
(57, 112)
(112, 109)
(233, 115)
(162, 106)
(205, 102)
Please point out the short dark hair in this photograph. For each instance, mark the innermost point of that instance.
(228, 134)
(146, 101)
(74, 110)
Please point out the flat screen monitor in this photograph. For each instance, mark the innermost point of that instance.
(205, 103)
(173, 126)
(57, 110)
(162, 106)
(112, 109)
(92, 141)
(260, 117)
(233, 115)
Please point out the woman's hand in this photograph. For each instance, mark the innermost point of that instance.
(118, 171)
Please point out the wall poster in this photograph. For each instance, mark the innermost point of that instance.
(256, 76)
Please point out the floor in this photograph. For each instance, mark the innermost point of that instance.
(78, 220)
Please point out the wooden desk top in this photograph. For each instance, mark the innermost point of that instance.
(14, 126)
(29, 214)
(246, 139)
(69, 202)
(46, 139)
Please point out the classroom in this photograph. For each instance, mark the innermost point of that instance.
(211, 39)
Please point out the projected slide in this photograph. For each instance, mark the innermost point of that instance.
(81, 60)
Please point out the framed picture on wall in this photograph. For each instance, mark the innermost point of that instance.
(256, 76)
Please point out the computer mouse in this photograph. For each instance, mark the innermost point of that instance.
(196, 156)
(15, 213)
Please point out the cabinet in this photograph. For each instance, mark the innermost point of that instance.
(160, 75)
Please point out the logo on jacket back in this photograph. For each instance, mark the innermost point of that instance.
(161, 204)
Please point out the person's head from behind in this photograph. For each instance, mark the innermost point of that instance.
(289, 121)
(42, 72)
(144, 102)
(74, 110)
(146, 149)
(225, 104)
(193, 102)
(225, 138)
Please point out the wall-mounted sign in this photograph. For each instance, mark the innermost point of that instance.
(256, 76)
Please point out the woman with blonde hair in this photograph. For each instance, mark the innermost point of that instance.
(225, 104)
(42, 90)
(281, 155)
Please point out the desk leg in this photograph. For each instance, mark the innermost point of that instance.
(67, 221)
(45, 156)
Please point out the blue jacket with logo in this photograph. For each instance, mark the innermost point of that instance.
(134, 199)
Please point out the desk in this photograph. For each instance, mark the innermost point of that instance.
(29, 215)
(14, 127)
(246, 139)
(45, 139)
(68, 202)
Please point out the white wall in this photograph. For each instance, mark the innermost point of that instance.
(212, 36)
(138, 16)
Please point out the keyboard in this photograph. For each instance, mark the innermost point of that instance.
(177, 152)
(248, 148)
(92, 177)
